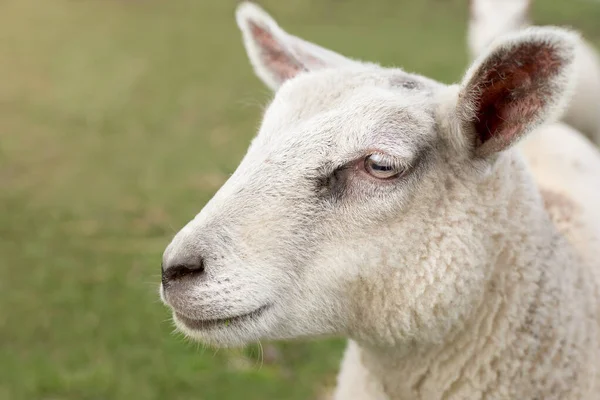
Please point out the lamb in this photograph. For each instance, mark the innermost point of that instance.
(492, 18)
(399, 212)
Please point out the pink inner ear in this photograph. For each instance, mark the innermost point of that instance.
(275, 58)
(512, 90)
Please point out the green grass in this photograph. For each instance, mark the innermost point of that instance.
(118, 120)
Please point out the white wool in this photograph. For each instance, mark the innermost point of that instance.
(471, 274)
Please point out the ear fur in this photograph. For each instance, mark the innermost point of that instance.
(275, 54)
(522, 81)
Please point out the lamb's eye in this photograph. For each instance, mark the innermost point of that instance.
(381, 167)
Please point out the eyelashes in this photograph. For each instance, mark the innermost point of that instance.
(376, 168)
(382, 167)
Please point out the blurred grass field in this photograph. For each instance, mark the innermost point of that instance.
(118, 120)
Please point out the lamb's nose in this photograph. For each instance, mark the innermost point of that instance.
(182, 269)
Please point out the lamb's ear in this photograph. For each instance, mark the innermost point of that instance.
(522, 81)
(275, 54)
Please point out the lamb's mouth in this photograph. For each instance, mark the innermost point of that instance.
(204, 324)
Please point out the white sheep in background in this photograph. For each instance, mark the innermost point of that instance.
(490, 19)
(393, 210)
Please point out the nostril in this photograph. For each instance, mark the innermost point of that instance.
(180, 271)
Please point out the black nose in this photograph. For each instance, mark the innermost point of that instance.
(182, 271)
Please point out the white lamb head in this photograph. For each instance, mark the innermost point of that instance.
(360, 207)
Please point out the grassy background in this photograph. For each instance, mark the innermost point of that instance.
(118, 120)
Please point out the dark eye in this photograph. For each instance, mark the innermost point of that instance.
(381, 167)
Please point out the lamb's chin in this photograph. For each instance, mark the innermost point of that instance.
(224, 335)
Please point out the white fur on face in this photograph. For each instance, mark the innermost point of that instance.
(301, 241)
(299, 195)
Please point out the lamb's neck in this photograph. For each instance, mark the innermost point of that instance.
(534, 316)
